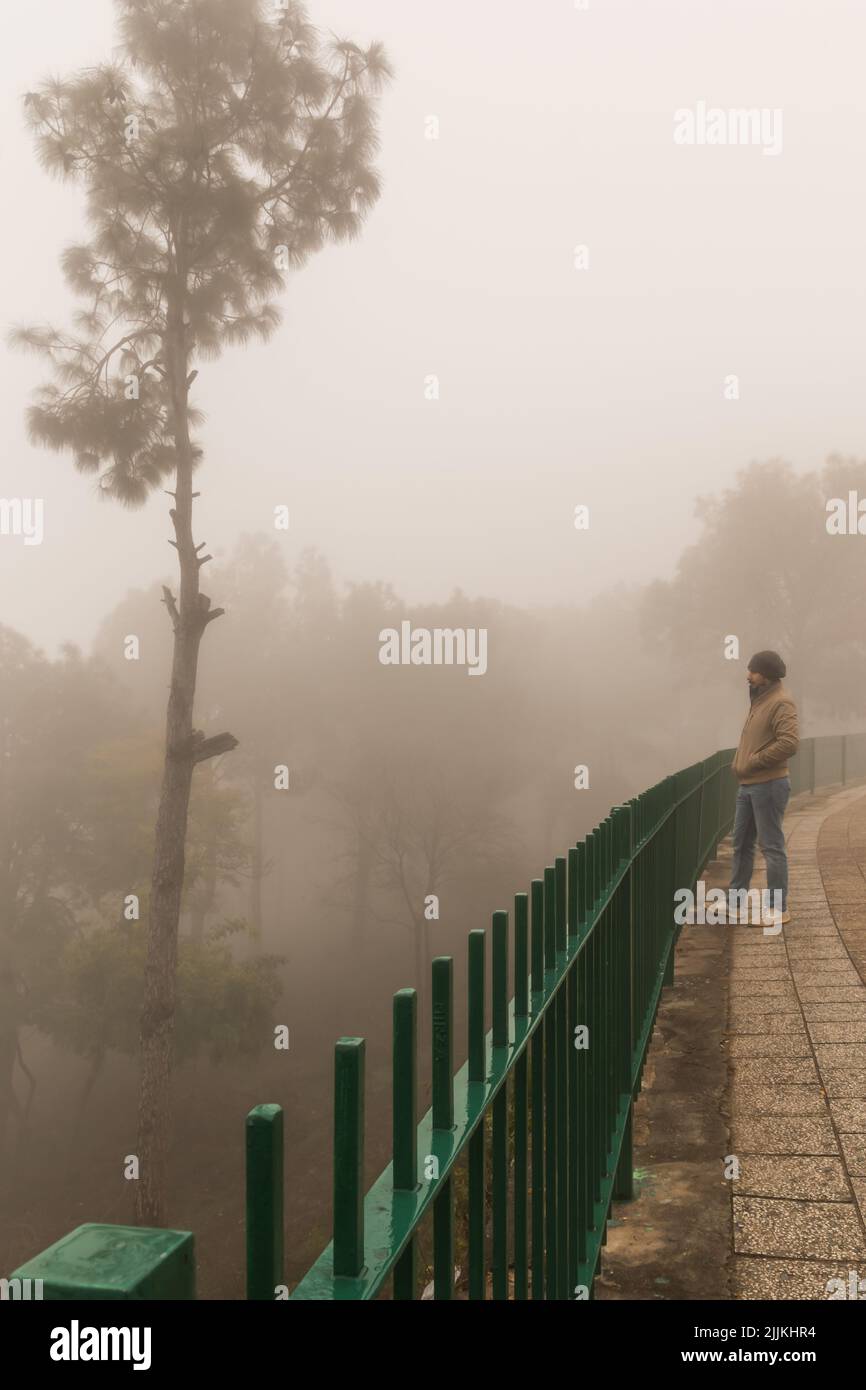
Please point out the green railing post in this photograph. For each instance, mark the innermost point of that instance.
(477, 1075)
(671, 869)
(536, 889)
(549, 918)
(521, 955)
(571, 913)
(500, 1109)
(623, 1189)
(405, 1090)
(562, 1069)
(443, 1042)
(264, 1177)
(500, 979)
(537, 1075)
(560, 869)
(521, 1099)
(349, 1157)
(404, 1125)
(582, 1151)
(549, 1088)
(477, 1043)
(572, 1254)
(443, 1119)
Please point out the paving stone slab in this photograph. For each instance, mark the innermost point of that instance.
(854, 1153)
(777, 1100)
(779, 1134)
(849, 1115)
(748, 1021)
(804, 1230)
(769, 1045)
(798, 1280)
(848, 979)
(764, 1003)
(825, 945)
(771, 990)
(841, 1032)
(810, 933)
(755, 938)
(844, 1083)
(828, 1012)
(859, 1186)
(761, 960)
(807, 1179)
(805, 910)
(840, 1055)
(818, 970)
(771, 974)
(843, 994)
(773, 1071)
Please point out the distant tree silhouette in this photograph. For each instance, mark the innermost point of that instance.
(765, 569)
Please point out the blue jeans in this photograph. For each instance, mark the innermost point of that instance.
(759, 812)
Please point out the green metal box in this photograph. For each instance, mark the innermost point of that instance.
(115, 1262)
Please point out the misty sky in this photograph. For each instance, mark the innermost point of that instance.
(558, 386)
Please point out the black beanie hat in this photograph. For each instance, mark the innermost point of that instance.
(768, 664)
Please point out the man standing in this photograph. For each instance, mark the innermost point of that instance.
(770, 736)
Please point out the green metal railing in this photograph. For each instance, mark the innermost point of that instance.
(591, 948)
(548, 1089)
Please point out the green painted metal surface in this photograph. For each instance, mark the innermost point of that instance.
(264, 1202)
(116, 1262)
(404, 1131)
(349, 1069)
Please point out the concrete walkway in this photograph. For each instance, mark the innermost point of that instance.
(750, 1132)
(796, 1042)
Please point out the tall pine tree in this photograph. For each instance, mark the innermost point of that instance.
(224, 146)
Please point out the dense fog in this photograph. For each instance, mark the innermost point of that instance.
(561, 422)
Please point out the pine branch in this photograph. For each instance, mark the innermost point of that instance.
(204, 748)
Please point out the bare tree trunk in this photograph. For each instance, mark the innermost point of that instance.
(184, 747)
